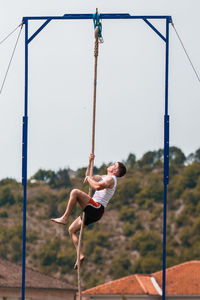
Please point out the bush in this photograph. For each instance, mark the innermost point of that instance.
(138, 225)
(147, 243)
(147, 264)
(93, 239)
(92, 280)
(125, 192)
(6, 197)
(48, 252)
(3, 214)
(96, 255)
(196, 227)
(66, 259)
(127, 214)
(185, 236)
(190, 175)
(120, 266)
(8, 181)
(32, 236)
(16, 253)
(128, 229)
(153, 189)
(191, 199)
(52, 209)
(180, 220)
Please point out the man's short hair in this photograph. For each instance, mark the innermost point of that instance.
(121, 169)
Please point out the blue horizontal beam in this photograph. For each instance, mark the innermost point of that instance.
(90, 16)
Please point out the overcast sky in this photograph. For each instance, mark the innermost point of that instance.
(130, 91)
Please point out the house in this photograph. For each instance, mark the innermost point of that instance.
(38, 285)
(182, 282)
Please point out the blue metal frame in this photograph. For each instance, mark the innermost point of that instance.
(25, 118)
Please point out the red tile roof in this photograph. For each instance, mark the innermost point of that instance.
(182, 279)
(133, 284)
(10, 276)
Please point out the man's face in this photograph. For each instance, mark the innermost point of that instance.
(113, 168)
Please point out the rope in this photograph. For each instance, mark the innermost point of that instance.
(96, 45)
(1, 42)
(186, 53)
(11, 57)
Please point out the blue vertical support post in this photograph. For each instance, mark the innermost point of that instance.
(166, 158)
(24, 161)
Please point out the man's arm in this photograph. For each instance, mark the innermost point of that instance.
(97, 178)
(96, 185)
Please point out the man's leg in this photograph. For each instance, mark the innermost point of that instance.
(75, 196)
(73, 229)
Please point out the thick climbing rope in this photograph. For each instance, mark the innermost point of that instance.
(9, 64)
(98, 38)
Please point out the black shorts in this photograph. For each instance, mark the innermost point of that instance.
(93, 212)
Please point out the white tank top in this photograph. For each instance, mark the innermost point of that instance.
(104, 196)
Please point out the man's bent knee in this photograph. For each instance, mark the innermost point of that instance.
(70, 230)
(75, 192)
(75, 226)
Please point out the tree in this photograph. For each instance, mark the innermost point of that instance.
(62, 179)
(176, 156)
(56, 180)
(44, 175)
(130, 162)
(81, 172)
(197, 155)
(103, 169)
(151, 158)
(147, 159)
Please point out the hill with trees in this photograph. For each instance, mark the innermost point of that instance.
(127, 240)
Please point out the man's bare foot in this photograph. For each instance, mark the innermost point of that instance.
(60, 220)
(82, 257)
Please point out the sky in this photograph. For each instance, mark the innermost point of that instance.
(130, 85)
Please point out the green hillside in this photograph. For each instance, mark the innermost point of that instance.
(127, 240)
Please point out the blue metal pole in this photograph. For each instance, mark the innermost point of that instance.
(166, 158)
(24, 162)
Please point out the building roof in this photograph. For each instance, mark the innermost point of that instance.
(10, 276)
(182, 279)
(133, 284)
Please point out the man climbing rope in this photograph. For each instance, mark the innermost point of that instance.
(94, 207)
